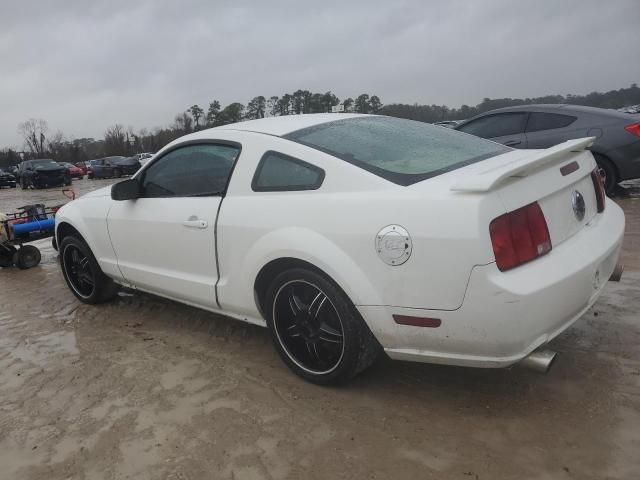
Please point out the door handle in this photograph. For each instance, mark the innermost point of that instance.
(513, 143)
(195, 223)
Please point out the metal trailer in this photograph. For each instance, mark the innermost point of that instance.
(28, 224)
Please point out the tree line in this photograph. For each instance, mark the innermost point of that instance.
(40, 141)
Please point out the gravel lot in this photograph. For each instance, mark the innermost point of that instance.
(147, 388)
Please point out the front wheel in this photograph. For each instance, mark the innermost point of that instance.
(67, 180)
(83, 274)
(316, 329)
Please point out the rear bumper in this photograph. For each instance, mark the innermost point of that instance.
(507, 315)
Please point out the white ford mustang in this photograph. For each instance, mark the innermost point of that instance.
(347, 235)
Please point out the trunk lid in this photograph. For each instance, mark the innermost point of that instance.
(558, 178)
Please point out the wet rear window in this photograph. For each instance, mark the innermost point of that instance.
(401, 151)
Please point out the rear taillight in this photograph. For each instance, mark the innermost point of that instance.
(598, 185)
(633, 129)
(519, 236)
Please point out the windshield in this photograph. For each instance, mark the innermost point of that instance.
(126, 161)
(44, 163)
(401, 151)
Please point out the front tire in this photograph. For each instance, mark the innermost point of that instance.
(316, 329)
(83, 274)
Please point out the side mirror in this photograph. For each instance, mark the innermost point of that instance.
(126, 190)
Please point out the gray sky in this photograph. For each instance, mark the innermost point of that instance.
(84, 66)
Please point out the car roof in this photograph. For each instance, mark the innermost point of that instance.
(281, 125)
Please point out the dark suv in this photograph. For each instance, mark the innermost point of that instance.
(617, 135)
(42, 173)
(110, 167)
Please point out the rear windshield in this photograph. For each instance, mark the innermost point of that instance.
(401, 151)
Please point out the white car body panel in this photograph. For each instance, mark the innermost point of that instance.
(190, 274)
(489, 318)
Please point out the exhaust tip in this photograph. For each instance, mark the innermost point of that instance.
(539, 361)
(616, 275)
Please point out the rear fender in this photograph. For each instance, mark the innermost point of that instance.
(236, 285)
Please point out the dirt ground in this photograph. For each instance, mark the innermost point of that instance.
(147, 388)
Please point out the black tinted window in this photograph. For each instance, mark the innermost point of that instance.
(548, 121)
(498, 125)
(278, 172)
(401, 151)
(190, 171)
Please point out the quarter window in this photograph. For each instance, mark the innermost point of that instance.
(193, 170)
(498, 125)
(548, 121)
(277, 172)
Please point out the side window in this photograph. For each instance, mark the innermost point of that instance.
(277, 172)
(192, 170)
(498, 125)
(548, 121)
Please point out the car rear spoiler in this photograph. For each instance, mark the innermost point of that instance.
(489, 178)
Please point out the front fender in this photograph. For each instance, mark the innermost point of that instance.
(88, 216)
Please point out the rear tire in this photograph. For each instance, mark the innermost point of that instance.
(117, 173)
(608, 173)
(67, 180)
(82, 273)
(26, 257)
(316, 329)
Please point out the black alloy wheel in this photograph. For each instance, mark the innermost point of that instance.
(308, 327)
(77, 268)
(316, 329)
(82, 272)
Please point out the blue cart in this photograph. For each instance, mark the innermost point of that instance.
(29, 223)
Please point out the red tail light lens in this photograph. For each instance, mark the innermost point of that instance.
(598, 185)
(633, 129)
(519, 236)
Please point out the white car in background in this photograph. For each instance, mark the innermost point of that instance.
(348, 234)
(143, 157)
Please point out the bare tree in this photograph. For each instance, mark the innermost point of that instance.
(115, 140)
(34, 132)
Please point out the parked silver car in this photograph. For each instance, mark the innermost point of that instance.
(617, 145)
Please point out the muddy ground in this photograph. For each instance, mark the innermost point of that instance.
(147, 388)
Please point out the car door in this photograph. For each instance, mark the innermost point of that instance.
(505, 128)
(97, 167)
(165, 240)
(545, 129)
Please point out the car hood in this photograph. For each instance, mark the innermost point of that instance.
(101, 192)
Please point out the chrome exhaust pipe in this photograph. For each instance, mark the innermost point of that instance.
(539, 360)
(616, 275)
